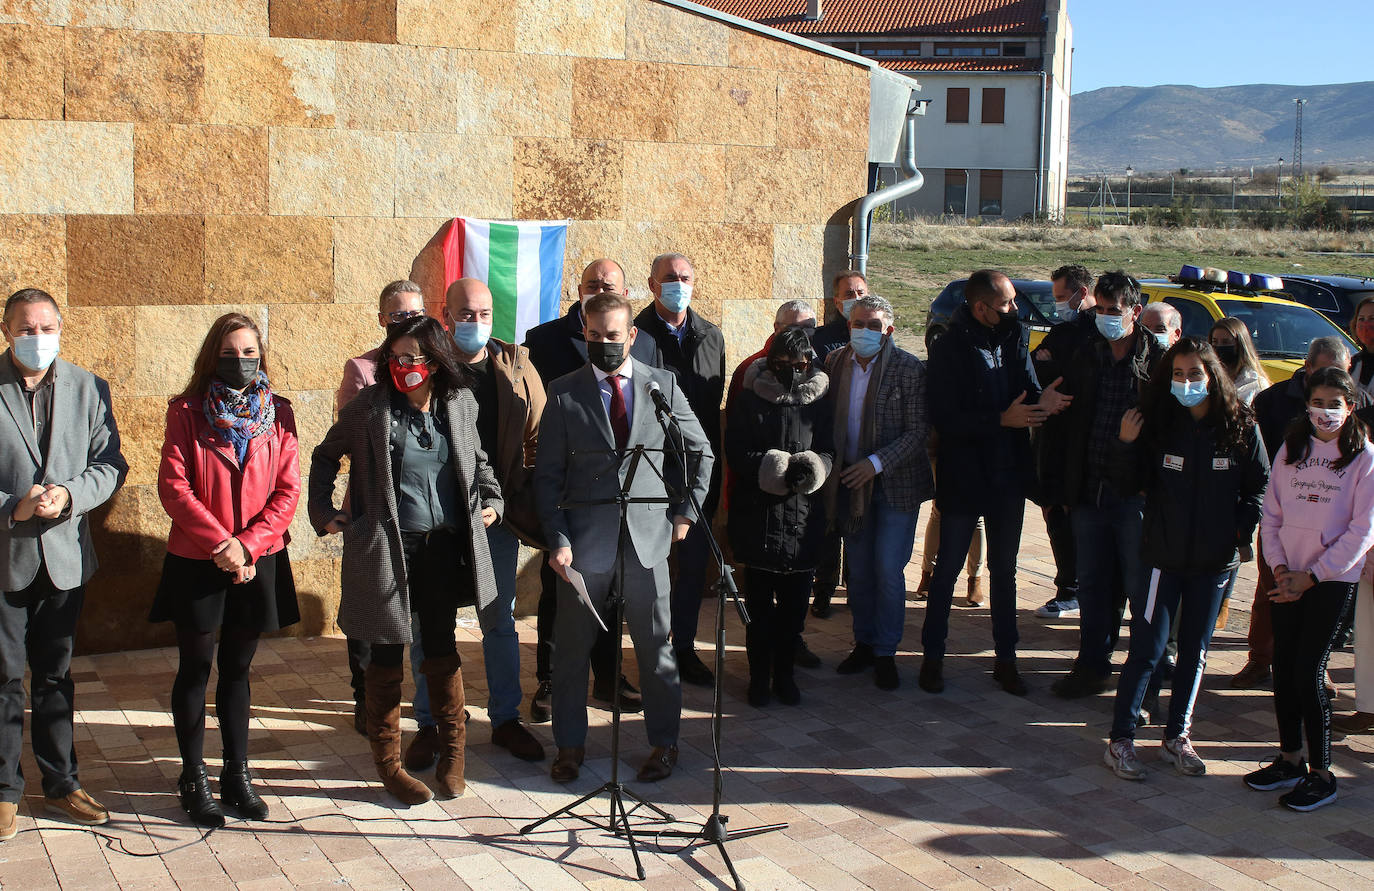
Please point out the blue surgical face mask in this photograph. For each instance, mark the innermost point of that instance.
(1112, 327)
(847, 306)
(866, 342)
(36, 351)
(1189, 393)
(470, 337)
(1161, 338)
(1064, 311)
(675, 296)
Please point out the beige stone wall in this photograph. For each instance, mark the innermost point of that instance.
(164, 161)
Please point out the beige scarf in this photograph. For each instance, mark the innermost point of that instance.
(858, 498)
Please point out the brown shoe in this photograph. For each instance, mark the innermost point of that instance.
(423, 750)
(78, 807)
(567, 764)
(1222, 615)
(446, 700)
(1358, 722)
(9, 820)
(976, 597)
(659, 765)
(516, 738)
(384, 733)
(923, 586)
(1251, 676)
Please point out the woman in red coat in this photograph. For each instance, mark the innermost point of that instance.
(230, 482)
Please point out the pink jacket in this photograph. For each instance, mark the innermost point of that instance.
(1317, 519)
(359, 372)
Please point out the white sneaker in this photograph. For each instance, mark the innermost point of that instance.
(1058, 609)
(1122, 759)
(1180, 751)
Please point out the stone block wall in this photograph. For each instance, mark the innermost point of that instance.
(165, 161)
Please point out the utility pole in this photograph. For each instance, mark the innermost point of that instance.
(1297, 139)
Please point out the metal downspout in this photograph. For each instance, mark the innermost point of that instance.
(858, 254)
(1040, 149)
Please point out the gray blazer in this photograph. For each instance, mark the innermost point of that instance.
(83, 455)
(574, 466)
(375, 601)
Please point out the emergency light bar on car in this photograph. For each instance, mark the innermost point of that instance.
(1211, 277)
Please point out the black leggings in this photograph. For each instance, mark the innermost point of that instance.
(1304, 633)
(233, 699)
(777, 611)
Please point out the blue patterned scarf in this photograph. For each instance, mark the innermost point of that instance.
(240, 417)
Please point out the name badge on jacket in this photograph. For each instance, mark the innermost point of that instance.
(1221, 463)
(1173, 462)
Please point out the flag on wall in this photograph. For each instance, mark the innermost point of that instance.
(522, 263)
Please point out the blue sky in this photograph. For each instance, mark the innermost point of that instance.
(1214, 43)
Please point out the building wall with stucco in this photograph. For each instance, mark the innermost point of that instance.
(165, 161)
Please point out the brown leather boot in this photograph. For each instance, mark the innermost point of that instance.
(923, 586)
(976, 597)
(446, 701)
(384, 732)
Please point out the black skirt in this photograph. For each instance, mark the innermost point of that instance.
(197, 595)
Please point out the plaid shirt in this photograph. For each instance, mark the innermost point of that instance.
(1117, 391)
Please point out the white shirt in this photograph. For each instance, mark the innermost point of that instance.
(603, 381)
(858, 390)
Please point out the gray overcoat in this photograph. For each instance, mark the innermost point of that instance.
(375, 601)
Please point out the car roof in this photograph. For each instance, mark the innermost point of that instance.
(1220, 293)
(1353, 282)
(1016, 282)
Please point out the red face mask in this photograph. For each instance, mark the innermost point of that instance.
(407, 378)
(1364, 333)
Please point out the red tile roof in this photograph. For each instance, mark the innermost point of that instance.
(963, 64)
(951, 17)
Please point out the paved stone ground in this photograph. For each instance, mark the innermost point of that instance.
(973, 788)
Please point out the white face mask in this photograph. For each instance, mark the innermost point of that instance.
(36, 351)
(847, 306)
(1327, 420)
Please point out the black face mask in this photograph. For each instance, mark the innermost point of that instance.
(786, 375)
(1227, 353)
(237, 372)
(608, 356)
(1006, 319)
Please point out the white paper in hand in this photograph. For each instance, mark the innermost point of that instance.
(580, 586)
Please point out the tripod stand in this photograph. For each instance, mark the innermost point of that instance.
(618, 816)
(713, 830)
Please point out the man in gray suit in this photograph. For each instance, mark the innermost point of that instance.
(59, 459)
(593, 418)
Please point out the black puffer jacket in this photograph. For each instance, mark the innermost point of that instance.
(772, 525)
(1202, 500)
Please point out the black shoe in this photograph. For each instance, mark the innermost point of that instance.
(630, 701)
(693, 670)
(1166, 669)
(193, 791)
(541, 704)
(236, 790)
(1078, 684)
(758, 693)
(804, 657)
(1149, 711)
(932, 679)
(1005, 674)
(859, 658)
(1310, 793)
(787, 691)
(360, 716)
(820, 606)
(885, 673)
(1277, 774)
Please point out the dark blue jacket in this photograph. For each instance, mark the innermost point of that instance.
(558, 347)
(975, 373)
(831, 336)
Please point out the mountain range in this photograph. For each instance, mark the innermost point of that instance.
(1159, 129)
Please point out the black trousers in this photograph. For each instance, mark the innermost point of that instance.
(603, 651)
(777, 610)
(1065, 552)
(38, 627)
(828, 567)
(435, 596)
(1305, 630)
(359, 654)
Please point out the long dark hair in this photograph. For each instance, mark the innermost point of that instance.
(1231, 418)
(1353, 435)
(446, 371)
(208, 357)
(1246, 357)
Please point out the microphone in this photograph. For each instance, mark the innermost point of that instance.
(660, 401)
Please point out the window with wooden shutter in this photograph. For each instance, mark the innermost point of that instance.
(956, 105)
(994, 105)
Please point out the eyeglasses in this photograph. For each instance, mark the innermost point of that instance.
(410, 361)
(401, 315)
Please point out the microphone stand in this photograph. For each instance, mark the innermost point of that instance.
(713, 830)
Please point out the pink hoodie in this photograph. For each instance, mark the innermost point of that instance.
(1317, 519)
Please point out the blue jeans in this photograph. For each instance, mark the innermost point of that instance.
(877, 555)
(1004, 519)
(1107, 537)
(500, 645)
(1196, 599)
(417, 655)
